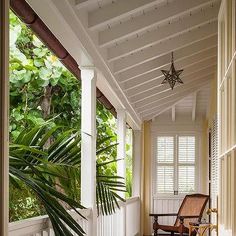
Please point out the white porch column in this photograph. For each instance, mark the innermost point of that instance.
(4, 106)
(136, 188)
(136, 185)
(121, 154)
(88, 144)
(121, 139)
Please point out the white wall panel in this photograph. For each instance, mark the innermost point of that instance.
(226, 109)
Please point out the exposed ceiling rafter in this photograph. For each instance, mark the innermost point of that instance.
(116, 11)
(156, 99)
(194, 107)
(173, 113)
(149, 19)
(84, 3)
(181, 53)
(164, 87)
(168, 46)
(168, 31)
(179, 97)
(154, 85)
(149, 80)
(166, 103)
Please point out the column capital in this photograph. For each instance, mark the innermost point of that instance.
(88, 73)
(88, 68)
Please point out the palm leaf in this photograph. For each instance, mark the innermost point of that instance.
(29, 164)
(38, 167)
(55, 211)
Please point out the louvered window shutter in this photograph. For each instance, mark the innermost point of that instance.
(186, 164)
(214, 163)
(165, 165)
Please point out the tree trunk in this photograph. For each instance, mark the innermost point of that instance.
(46, 109)
(46, 101)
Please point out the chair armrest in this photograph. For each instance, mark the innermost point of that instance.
(181, 218)
(169, 214)
(187, 217)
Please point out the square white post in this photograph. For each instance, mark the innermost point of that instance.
(4, 107)
(88, 144)
(121, 139)
(121, 154)
(136, 185)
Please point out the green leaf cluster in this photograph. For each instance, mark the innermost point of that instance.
(45, 159)
(48, 172)
(34, 69)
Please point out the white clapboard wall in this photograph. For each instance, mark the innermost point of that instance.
(167, 205)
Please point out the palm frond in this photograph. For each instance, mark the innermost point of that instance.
(30, 163)
(40, 168)
(59, 217)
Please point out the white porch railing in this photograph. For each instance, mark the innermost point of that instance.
(40, 226)
(125, 222)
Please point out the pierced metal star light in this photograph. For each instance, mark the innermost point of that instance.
(172, 75)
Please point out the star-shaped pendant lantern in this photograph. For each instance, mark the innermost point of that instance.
(172, 75)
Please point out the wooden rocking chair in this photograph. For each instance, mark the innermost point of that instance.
(191, 209)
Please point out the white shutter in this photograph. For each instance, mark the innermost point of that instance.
(165, 179)
(186, 164)
(165, 164)
(165, 149)
(214, 162)
(214, 168)
(186, 149)
(186, 179)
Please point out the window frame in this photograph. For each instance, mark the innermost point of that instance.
(155, 135)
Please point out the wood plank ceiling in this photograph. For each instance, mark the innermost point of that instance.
(136, 37)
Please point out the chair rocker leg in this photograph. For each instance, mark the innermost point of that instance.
(155, 224)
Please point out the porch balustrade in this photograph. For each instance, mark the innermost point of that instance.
(111, 225)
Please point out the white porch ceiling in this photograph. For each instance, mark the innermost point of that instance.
(192, 107)
(134, 39)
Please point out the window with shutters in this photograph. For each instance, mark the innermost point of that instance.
(175, 164)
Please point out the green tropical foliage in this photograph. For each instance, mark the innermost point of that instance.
(129, 162)
(45, 140)
(47, 170)
(34, 165)
(40, 86)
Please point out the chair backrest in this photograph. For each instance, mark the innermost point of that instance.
(192, 205)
